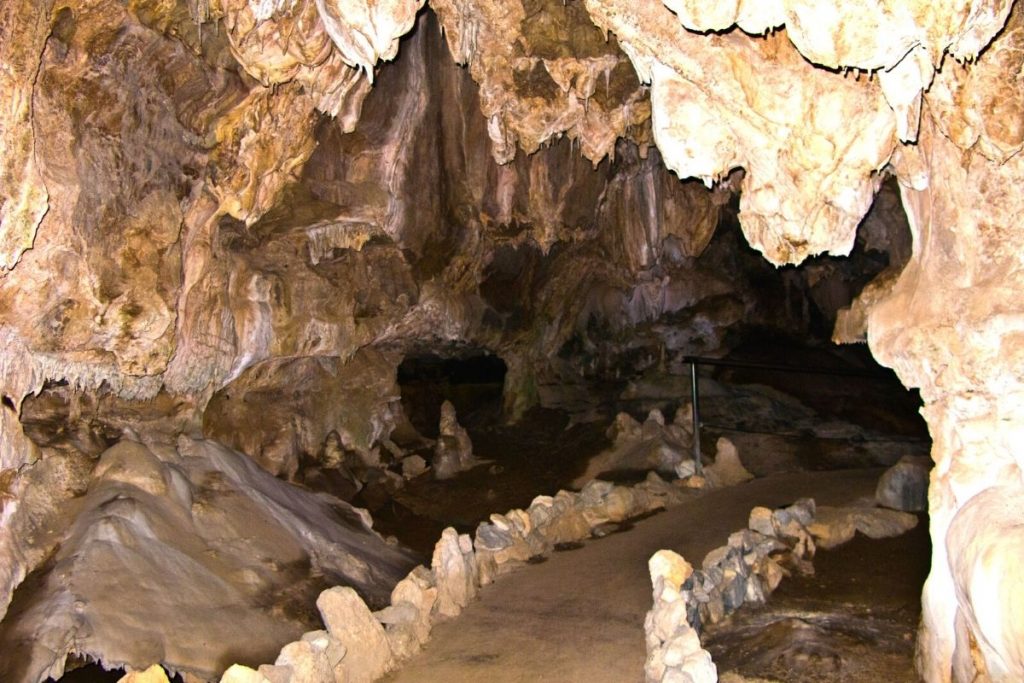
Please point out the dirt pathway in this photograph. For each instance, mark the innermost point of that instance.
(578, 617)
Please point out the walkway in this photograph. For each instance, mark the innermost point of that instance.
(578, 617)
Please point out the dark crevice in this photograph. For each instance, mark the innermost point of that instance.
(473, 383)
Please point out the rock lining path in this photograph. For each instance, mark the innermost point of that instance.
(578, 617)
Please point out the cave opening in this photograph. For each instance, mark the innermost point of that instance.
(472, 380)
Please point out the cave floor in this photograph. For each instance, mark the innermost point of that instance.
(545, 451)
(578, 616)
(854, 620)
(539, 455)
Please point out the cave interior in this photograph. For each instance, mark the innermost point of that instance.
(290, 289)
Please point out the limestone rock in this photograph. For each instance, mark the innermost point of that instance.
(989, 521)
(276, 674)
(904, 486)
(148, 508)
(154, 674)
(178, 220)
(660, 493)
(455, 571)
(673, 647)
(702, 137)
(413, 466)
(400, 624)
(650, 446)
(835, 526)
(500, 45)
(237, 673)
(727, 469)
(696, 481)
(624, 427)
(276, 435)
(454, 450)
(761, 521)
(367, 652)
(408, 619)
(670, 567)
(307, 663)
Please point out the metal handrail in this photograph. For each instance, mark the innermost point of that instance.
(694, 361)
(752, 365)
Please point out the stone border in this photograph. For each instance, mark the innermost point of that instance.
(744, 571)
(360, 646)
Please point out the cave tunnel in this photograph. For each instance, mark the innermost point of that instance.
(473, 382)
(327, 323)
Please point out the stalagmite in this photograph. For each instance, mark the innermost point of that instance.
(454, 451)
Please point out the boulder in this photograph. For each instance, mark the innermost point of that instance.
(835, 526)
(455, 571)
(350, 622)
(237, 673)
(761, 521)
(154, 674)
(419, 591)
(671, 568)
(727, 469)
(904, 486)
(413, 466)
(307, 661)
(401, 623)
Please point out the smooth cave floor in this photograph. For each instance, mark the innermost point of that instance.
(578, 616)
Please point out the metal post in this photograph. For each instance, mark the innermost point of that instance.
(698, 468)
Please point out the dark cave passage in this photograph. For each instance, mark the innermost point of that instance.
(473, 381)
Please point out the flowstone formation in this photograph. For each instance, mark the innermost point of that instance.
(206, 208)
(223, 560)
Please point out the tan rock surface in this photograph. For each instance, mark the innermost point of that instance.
(154, 674)
(179, 209)
(223, 558)
(544, 71)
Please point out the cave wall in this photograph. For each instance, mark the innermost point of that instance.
(948, 322)
(196, 195)
(207, 215)
(951, 324)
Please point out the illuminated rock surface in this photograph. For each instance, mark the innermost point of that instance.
(209, 202)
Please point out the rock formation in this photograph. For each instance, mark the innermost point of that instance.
(224, 558)
(744, 571)
(454, 451)
(904, 486)
(219, 218)
(652, 445)
(727, 469)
